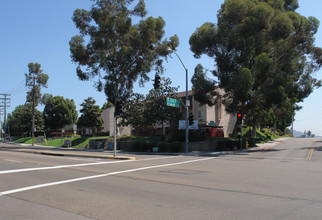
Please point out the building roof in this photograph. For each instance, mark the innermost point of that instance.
(183, 94)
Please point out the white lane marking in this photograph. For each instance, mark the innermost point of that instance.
(97, 176)
(15, 161)
(78, 165)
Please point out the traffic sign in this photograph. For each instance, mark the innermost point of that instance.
(182, 125)
(173, 102)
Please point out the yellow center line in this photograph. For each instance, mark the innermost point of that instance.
(309, 155)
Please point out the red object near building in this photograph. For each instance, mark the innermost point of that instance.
(214, 131)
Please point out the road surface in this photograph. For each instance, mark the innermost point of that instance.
(277, 182)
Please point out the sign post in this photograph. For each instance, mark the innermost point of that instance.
(182, 125)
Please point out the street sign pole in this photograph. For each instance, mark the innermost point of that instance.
(241, 137)
(115, 130)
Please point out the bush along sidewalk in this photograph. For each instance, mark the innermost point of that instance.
(153, 146)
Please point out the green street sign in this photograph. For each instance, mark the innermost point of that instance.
(173, 102)
(212, 123)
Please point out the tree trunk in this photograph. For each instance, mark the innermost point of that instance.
(254, 131)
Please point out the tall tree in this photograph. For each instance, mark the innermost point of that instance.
(91, 115)
(45, 97)
(36, 79)
(118, 52)
(141, 112)
(107, 105)
(157, 110)
(20, 120)
(204, 88)
(59, 112)
(134, 112)
(264, 53)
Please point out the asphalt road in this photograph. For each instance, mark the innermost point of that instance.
(276, 182)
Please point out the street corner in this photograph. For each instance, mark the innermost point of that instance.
(121, 158)
(270, 144)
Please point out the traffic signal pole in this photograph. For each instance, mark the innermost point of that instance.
(241, 137)
(114, 147)
(240, 122)
(117, 112)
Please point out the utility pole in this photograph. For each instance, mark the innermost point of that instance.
(6, 104)
(33, 108)
(0, 122)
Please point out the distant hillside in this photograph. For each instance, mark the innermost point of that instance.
(297, 133)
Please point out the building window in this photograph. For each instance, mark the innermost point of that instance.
(200, 114)
(218, 111)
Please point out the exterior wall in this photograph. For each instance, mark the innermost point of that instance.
(217, 113)
(228, 122)
(211, 114)
(108, 118)
(224, 119)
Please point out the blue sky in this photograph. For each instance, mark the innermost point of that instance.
(39, 31)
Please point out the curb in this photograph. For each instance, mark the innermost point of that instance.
(71, 154)
(269, 145)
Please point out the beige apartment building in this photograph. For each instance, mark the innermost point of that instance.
(203, 113)
(108, 118)
(206, 114)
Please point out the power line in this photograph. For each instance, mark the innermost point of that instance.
(19, 88)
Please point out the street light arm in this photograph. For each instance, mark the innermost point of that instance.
(180, 60)
(168, 87)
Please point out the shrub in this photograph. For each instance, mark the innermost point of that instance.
(175, 147)
(252, 142)
(149, 145)
(142, 146)
(194, 135)
(227, 144)
(136, 146)
(163, 147)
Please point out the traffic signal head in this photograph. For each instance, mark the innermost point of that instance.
(157, 81)
(191, 119)
(238, 131)
(118, 107)
(239, 118)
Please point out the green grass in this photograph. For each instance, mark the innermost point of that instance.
(23, 140)
(264, 135)
(78, 142)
